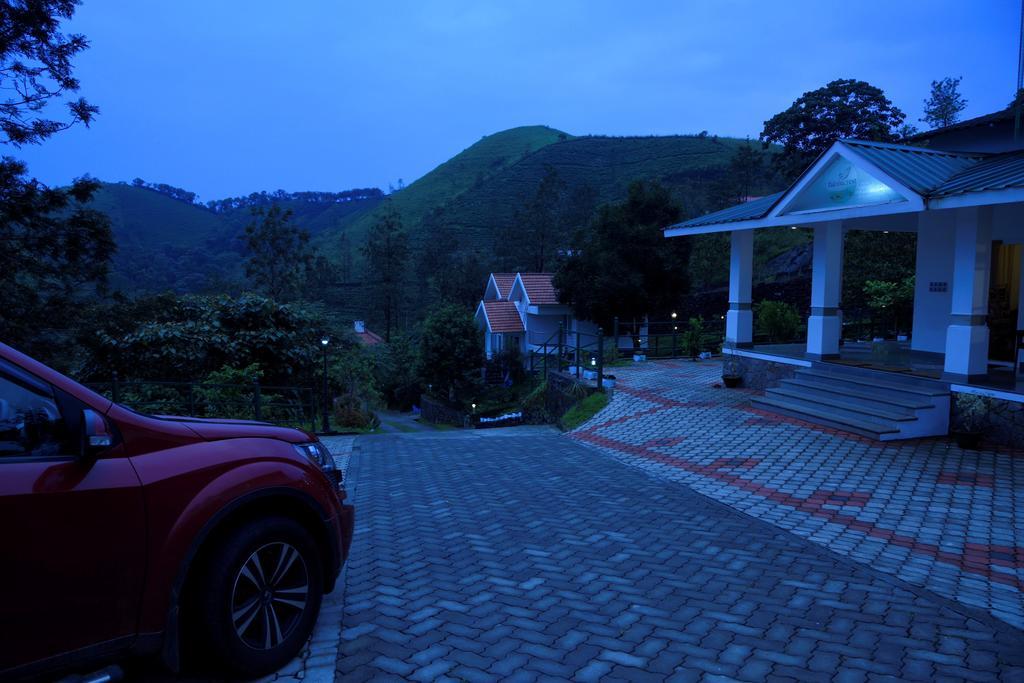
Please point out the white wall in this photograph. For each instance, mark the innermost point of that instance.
(935, 245)
(541, 327)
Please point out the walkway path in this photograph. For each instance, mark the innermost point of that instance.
(926, 511)
(495, 556)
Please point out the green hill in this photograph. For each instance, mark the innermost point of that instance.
(165, 243)
(687, 165)
(470, 168)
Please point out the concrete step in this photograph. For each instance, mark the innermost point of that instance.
(876, 379)
(862, 401)
(900, 399)
(826, 398)
(836, 418)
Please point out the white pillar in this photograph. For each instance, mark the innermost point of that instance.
(824, 327)
(967, 334)
(739, 321)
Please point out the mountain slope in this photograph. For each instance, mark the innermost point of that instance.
(685, 164)
(473, 166)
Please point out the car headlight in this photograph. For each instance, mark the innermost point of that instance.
(318, 453)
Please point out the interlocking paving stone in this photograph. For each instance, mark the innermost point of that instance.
(924, 510)
(595, 570)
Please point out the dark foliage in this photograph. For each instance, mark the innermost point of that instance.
(451, 354)
(55, 255)
(622, 265)
(386, 253)
(844, 108)
(35, 69)
(279, 255)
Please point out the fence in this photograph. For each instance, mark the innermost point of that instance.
(286, 405)
(675, 338)
(580, 352)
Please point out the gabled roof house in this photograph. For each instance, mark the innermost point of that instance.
(522, 311)
(961, 190)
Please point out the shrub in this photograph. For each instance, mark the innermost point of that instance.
(970, 412)
(584, 410)
(351, 411)
(451, 354)
(778, 320)
(693, 337)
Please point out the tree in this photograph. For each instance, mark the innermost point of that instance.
(279, 254)
(451, 354)
(943, 106)
(841, 109)
(386, 252)
(35, 68)
(622, 265)
(446, 271)
(54, 252)
(745, 173)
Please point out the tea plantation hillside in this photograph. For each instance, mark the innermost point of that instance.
(688, 165)
(471, 168)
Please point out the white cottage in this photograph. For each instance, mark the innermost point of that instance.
(521, 310)
(961, 189)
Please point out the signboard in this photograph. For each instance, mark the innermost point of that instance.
(842, 185)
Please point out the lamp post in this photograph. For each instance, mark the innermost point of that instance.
(326, 424)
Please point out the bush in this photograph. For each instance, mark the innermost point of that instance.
(584, 410)
(351, 411)
(535, 405)
(693, 337)
(777, 320)
(451, 354)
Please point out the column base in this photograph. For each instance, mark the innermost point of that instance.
(966, 351)
(823, 333)
(739, 327)
(822, 356)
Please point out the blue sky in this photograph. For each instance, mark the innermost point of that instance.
(226, 97)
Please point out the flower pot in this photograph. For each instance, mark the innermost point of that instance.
(732, 381)
(639, 357)
(967, 440)
(608, 381)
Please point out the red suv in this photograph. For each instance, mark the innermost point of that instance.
(124, 533)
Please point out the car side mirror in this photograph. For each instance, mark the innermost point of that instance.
(96, 434)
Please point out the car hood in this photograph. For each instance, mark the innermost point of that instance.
(218, 429)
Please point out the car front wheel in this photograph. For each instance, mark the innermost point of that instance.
(260, 597)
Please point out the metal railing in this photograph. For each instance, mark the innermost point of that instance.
(581, 351)
(674, 338)
(285, 405)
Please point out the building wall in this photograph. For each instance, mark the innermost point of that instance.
(932, 306)
(541, 327)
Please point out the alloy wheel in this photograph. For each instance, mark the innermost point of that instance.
(269, 595)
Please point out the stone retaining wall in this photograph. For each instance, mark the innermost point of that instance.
(1004, 423)
(760, 374)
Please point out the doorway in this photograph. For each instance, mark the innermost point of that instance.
(1004, 301)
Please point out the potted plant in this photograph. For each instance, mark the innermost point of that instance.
(732, 373)
(970, 419)
(608, 381)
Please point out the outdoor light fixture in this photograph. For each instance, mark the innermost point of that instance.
(325, 422)
(792, 227)
(473, 406)
(593, 361)
(673, 315)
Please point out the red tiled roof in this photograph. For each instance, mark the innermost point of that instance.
(503, 316)
(503, 281)
(369, 338)
(539, 288)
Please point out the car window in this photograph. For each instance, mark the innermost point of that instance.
(30, 421)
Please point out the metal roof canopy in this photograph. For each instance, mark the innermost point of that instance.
(926, 179)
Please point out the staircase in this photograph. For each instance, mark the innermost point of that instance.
(879, 405)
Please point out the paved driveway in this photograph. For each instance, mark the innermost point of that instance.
(923, 510)
(481, 558)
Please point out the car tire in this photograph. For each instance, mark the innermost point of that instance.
(259, 597)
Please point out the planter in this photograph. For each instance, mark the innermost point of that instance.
(967, 440)
(639, 357)
(705, 355)
(732, 381)
(590, 374)
(608, 381)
